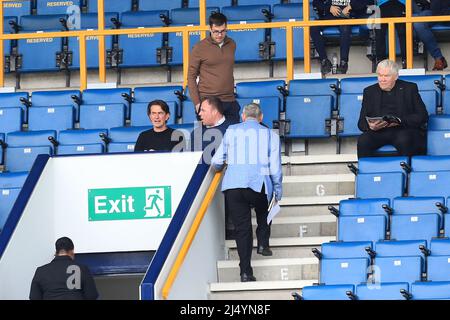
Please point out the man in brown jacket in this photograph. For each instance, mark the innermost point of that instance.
(212, 60)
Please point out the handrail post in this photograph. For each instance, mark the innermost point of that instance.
(101, 42)
(409, 36)
(392, 53)
(83, 71)
(289, 54)
(306, 43)
(202, 12)
(2, 55)
(185, 57)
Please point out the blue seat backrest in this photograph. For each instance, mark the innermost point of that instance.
(95, 116)
(30, 138)
(148, 5)
(312, 87)
(399, 248)
(381, 164)
(359, 207)
(142, 19)
(54, 98)
(356, 85)
(17, 8)
(111, 6)
(126, 134)
(245, 13)
(430, 163)
(344, 271)
(12, 99)
(147, 94)
(90, 20)
(101, 96)
(417, 205)
(440, 247)
(215, 3)
(270, 107)
(424, 82)
(187, 16)
(324, 292)
(380, 185)
(441, 122)
(349, 110)
(51, 118)
(10, 180)
(438, 143)
(381, 291)
(288, 11)
(11, 119)
(430, 290)
(333, 250)
(259, 89)
(260, 2)
(432, 183)
(80, 136)
(41, 23)
(55, 7)
(398, 269)
(7, 199)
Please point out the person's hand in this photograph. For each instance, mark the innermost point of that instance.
(377, 125)
(197, 108)
(393, 124)
(346, 11)
(335, 11)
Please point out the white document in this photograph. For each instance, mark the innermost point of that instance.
(273, 209)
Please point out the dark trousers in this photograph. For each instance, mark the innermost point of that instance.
(231, 111)
(344, 41)
(388, 10)
(408, 142)
(240, 201)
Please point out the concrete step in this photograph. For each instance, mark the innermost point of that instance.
(257, 290)
(272, 269)
(319, 185)
(312, 226)
(317, 164)
(323, 200)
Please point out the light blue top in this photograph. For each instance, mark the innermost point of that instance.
(252, 154)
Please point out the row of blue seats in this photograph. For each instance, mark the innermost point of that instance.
(22, 148)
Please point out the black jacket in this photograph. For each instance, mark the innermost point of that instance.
(359, 7)
(55, 281)
(412, 110)
(440, 7)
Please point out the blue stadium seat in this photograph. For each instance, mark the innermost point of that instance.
(439, 260)
(8, 100)
(430, 93)
(326, 292)
(307, 115)
(259, 2)
(287, 12)
(183, 131)
(57, 98)
(398, 269)
(430, 163)
(356, 85)
(439, 290)
(149, 5)
(55, 7)
(80, 141)
(148, 43)
(24, 147)
(10, 120)
(184, 17)
(403, 248)
(107, 96)
(212, 3)
(188, 110)
(270, 107)
(381, 291)
(438, 142)
(7, 199)
(447, 223)
(344, 271)
(105, 116)
(123, 139)
(312, 87)
(110, 6)
(362, 220)
(419, 205)
(385, 164)
(49, 48)
(441, 122)
(51, 118)
(446, 98)
(10, 180)
(90, 21)
(349, 110)
(347, 249)
(429, 184)
(17, 8)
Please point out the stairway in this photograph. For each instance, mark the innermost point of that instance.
(310, 185)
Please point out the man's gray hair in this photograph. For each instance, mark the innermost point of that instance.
(252, 110)
(388, 64)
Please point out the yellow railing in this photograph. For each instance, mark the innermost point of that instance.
(289, 25)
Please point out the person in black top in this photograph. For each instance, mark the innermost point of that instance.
(403, 115)
(159, 138)
(63, 278)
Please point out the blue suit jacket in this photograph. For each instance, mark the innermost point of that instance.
(252, 154)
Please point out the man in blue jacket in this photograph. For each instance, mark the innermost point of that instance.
(253, 176)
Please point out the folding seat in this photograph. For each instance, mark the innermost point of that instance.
(185, 17)
(446, 97)
(17, 8)
(102, 97)
(10, 185)
(102, 116)
(149, 5)
(251, 37)
(429, 91)
(212, 3)
(81, 141)
(14, 100)
(404, 248)
(429, 183)
(10, 120)
(362, 219)
(90, 21)
(148, 43)
(439, 122)
(183, 132)
(381, 291)
(356, 85)
(57, 98)
(315, 87)
(439, 260)
(439, 290)
(55, 7)
(111, 6)
(327, 292)
(413, 206)
(187, 114)
(51, 118)
(123, 139)
(430, 163)
(50, 49)
(10, 180)
(144, 95)
(264, 93)
(397, 269)
(24, 147)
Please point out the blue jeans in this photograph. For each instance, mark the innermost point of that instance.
(423, 30)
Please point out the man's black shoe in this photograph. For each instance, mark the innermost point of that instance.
(343, 67)
(264, 251)
(247, 277)
(325, 66)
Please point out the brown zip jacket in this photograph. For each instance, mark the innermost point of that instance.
(214, 66)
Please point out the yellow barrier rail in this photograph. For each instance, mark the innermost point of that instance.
(191, 235)
(306, 24)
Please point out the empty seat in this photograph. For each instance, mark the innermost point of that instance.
(123, 139)
(10, 180)
(55, 7)
(57, 98)
(428, 90)
(439, 122)
(10, 120)
(430, 290)
(344, 271)
(385, 164)
(105, 116)
(356, 85)
(429, 183)
(17, 8)
(145, 5)
(446, 98)
(438, 142)
(108, 96)
(420, 205)
(347, 249)
(7, 199)
(260, 2)
(349, 110)
(327, 292)
(381, 291)
(111, 6)
(80, 141)
(405, 248)
(420, 226)
(213, 3)
(51, 118)
(439, 260)
(430, 163)
(14, 100)
(312, 87)
(398, 269)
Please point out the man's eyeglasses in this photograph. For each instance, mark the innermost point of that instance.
(219, 32)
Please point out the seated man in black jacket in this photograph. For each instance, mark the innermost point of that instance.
(63, 278)
(392, 113)
(337, 9)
